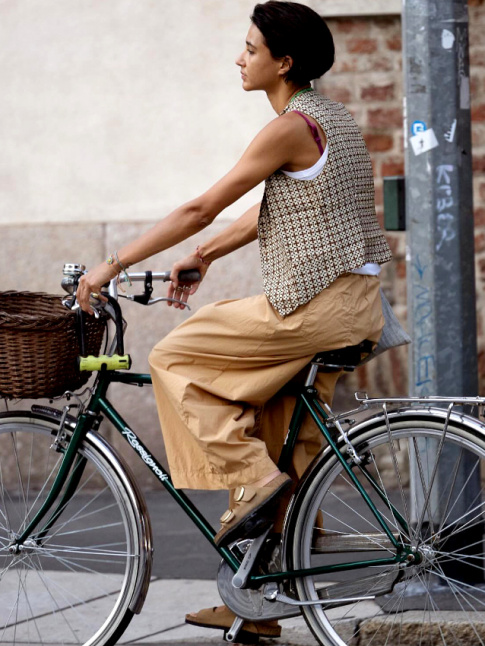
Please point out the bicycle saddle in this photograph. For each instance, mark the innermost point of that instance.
(344, 358)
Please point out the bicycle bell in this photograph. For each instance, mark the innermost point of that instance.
(72, 272)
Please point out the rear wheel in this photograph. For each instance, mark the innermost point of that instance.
(74, 584)
(439, 520)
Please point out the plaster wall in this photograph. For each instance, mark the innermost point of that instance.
(119, 110)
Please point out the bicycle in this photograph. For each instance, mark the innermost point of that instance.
(355, 576)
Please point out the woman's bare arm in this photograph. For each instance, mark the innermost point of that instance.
(238, 234)
(271, 149)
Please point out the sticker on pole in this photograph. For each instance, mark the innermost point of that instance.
(418, 126)
(423, 141)
(447, 39)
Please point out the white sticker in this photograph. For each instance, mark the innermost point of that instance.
(450, 135)
(447, 39)
(424, 141)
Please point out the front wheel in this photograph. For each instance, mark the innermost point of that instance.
(429, 491)
(73, 584)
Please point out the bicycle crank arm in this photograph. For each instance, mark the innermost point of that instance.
(241, 576)
(231, 634)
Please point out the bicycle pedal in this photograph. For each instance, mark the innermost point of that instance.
(242, 637)
(255, 525)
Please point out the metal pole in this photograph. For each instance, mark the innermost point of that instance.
(439, 211)
(439, 221)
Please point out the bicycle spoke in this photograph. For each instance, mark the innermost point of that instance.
(45, 487)
(78, 517)
(342, 522)
(27, 601)
(459, 597)
(373, 524)
(472, 522)
(59, 611)
(397, 471)
(457, 498)
(426, 488)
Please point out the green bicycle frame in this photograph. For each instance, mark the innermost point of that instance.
(99, 404)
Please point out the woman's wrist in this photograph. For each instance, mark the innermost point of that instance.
(118, 266)
(202, 257)
(113, 260)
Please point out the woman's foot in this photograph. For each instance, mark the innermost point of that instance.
(253, 510)
(223, 618)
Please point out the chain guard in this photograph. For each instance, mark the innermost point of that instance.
(250, 604)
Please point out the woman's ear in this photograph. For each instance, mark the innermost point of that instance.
(286, 65)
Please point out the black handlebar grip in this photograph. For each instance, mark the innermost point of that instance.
(189, 276)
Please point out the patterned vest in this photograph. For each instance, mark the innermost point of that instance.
(312, 231)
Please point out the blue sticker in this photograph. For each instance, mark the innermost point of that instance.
(418, 126)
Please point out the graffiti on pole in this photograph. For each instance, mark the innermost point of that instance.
(423, 330)
(445, 225)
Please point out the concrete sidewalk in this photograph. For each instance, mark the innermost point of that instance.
(161, 621)
(162, 618)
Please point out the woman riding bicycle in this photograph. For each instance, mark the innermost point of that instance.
(220, 378)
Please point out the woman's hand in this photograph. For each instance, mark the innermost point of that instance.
(90, 285)
(180, 290)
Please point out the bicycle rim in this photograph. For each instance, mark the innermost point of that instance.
(73, 586)
(436, 599)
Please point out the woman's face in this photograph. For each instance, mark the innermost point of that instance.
(259, 70)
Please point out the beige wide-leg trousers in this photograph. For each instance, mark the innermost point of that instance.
(221, 380)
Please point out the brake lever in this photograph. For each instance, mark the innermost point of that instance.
(152, 301)
(74, 307)
(144, 298)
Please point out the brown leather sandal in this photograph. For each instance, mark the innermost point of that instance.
(223, 619)
(253, 510)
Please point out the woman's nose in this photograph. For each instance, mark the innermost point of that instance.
(240, 60)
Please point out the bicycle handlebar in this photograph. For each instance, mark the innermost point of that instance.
(186, 276)
(72, 274)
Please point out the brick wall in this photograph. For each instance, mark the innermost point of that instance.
(477, 61)
(367, 77)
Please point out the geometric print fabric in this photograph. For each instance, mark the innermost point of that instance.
(310, 232)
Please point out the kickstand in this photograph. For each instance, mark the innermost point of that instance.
(234, 629)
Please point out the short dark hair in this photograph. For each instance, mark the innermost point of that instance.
(293, 29)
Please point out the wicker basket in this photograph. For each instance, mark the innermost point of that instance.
(39, 345)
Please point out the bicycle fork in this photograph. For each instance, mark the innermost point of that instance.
(70, 471)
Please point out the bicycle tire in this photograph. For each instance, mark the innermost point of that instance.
(80, 582)
(416, 602)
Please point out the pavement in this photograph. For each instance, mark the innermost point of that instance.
(183, 581)
(162, 619)
(184, 569)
